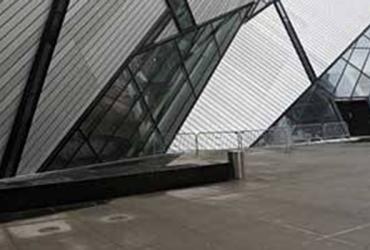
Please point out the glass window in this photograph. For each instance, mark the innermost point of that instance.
(105, 103)
(165, 25)
(366, 69)
(186, 42)
(163, 83)
(194, 53)
(141, 136)
(358, 57)
(363, 42)
(226, 29)
(348, 53)
(305, 118)
(155, 145)
(184, 95)
(118, 143)
(161, 104)
(363, 87)
(179, 119)
(114, 118)
(68, 152)
(159, 67)
(204, 66)
(347, 82)
(85, 156)
(331, 78)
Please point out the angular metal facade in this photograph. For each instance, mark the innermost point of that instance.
(259, 77)
(21, 25)
(238, 99)
(349, 77)
(327, 27)
(96, 38)
(125, 74)
(150, 96)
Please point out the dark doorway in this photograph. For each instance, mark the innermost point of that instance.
(356, 114)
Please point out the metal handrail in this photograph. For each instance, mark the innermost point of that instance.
(280, 136)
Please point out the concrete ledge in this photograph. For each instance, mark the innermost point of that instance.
(94, 184)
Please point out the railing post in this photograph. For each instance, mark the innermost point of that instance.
(323, 131)
(289, 142)
(239, 140)
(197, 144)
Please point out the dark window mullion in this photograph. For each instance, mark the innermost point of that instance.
(218, 45)
(146, 106)
(77, 149)
(138, 99)
(208, 38)
(250, 12)
(87, 141)
(134, 103)
(183, 66)
(173, 98)
(99, 121)
(179, 88)
(130, 137)
(213, 33)
(361, 70)
(137, 148)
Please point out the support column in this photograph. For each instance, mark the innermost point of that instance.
(32, 92)
(295, 40)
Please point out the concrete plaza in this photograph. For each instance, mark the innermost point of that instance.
(315, 197)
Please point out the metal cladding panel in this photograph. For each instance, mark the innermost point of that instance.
(257, 80)
(327, 27)
(204, 10)
(97, 37)
(21, 24)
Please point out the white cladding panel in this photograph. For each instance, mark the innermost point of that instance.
(97, 37)
(204, 10)
(327, 27)
(257, 80)
(21, 24)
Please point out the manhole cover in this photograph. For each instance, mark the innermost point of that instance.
(40, 229)
(49, 230)
(117, 218)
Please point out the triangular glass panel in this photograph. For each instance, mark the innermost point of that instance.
(358, 57)
(363, 87)
(348, 82)
(363, 42)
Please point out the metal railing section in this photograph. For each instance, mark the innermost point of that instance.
(285, 137)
